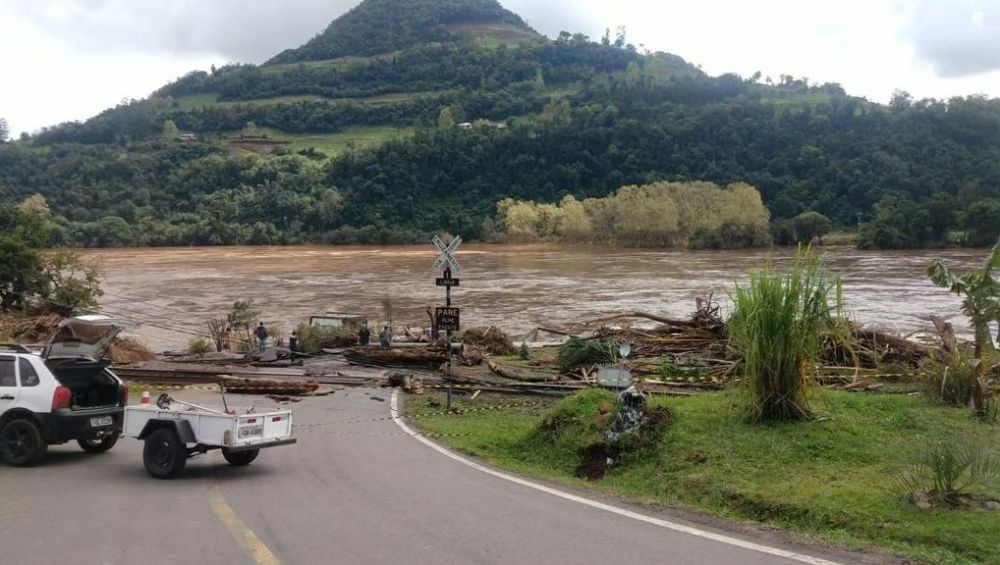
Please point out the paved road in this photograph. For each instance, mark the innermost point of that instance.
(358, 493)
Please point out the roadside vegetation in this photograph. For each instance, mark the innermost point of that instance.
(836, 478)
(36, 281)
(777, 329)
(917, 474)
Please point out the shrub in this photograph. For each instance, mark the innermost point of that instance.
(523, 352)
(947, 470)
(952, 384)
(199, 347)
(778, 327)
(313, 339)
(578, 352)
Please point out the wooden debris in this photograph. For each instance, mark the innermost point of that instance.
(269, 386)
(490, 339)
(430, 357)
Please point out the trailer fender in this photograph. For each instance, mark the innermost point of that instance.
(182, 427)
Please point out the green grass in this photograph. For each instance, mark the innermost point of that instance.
(192, 102)
(834, 479)
(338, 64)
(333, 143)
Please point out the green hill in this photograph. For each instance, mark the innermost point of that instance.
(409, 117)
(383, 26)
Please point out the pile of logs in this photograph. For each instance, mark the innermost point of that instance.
(269, 386)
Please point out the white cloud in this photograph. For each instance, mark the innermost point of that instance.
(957, 37)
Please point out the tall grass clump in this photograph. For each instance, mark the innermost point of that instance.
(779, 324)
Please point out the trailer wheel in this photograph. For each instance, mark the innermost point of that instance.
(164, 455)
(240, 458)
(98, 445)
(21, 443)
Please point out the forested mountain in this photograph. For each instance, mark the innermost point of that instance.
(384, 26)
(407, 117)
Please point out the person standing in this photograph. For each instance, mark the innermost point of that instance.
(385, 338)
(364, 336)
(293, 345)
(261, 333)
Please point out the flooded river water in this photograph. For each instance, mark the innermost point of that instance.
(172, 292)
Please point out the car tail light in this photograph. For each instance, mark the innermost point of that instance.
(124, 394)
(61, 398)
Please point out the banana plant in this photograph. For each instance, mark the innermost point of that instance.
(981, 293)
(981, 303)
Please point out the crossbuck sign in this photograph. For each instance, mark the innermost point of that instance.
(447, 258)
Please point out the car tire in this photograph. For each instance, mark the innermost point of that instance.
(99, 445)
(240, 458)
(21, 443)
(163, 455)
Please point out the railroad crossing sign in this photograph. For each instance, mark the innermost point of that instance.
(447, 280)
(447, 258)
(447, 319)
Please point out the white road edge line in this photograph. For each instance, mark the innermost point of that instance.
(394, 412)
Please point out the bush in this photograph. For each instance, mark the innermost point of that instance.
(199, 347)
(810, 226)
(578, 352)
(314, 339)
(952, 384)
(949, 469)
(578, 426)
(778, 327)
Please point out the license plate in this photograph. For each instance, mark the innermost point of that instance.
(251, 431)
(101, 421)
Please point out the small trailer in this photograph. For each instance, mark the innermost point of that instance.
(174, 431)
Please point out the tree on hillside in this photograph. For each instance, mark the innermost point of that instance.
(446, 119)
(981, 221)
(170, 131)
(901, 223)
(4, 130)
(249, 130)
(811, 226)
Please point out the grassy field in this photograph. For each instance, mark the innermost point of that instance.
(331, 144)
(201, 100)
(835, 479)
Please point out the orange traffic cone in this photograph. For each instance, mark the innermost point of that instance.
(145, 397)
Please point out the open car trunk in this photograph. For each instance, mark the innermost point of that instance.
(89, 381)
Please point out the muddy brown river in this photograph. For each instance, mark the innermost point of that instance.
(172, 292)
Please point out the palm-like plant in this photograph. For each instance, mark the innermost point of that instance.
(981, 303)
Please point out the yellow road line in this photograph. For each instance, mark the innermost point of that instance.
(241, 532)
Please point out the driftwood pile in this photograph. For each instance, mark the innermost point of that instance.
(490, 339)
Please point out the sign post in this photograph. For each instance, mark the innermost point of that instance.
(447, 318)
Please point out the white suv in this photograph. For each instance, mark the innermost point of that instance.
(64, 394)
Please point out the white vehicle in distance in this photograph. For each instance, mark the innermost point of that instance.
(64, 394)
(174, 431)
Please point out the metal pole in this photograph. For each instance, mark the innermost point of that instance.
(447, 303)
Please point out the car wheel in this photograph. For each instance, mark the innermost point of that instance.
(163, 454)
(21, 443)
(98, 445)
(240, 458)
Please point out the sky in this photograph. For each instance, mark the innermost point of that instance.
(65, 60)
